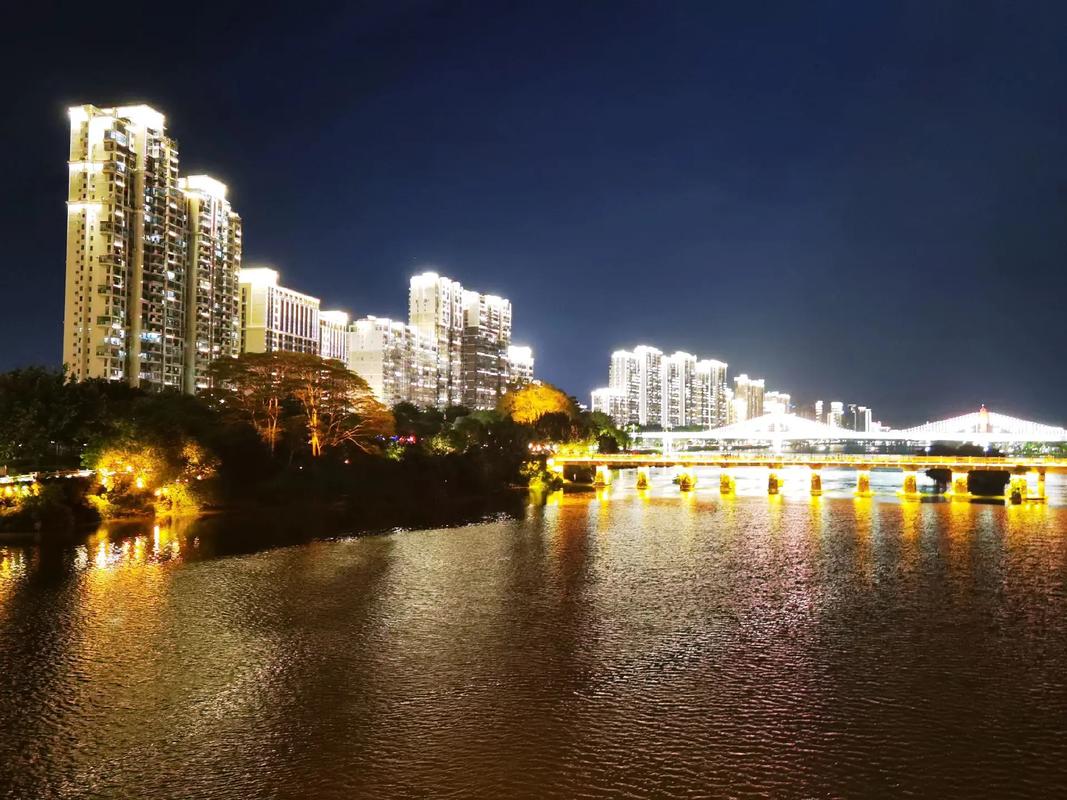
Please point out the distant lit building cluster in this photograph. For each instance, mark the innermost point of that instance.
(646, 387)
(848, 416)
(650, 389)
(155, 288)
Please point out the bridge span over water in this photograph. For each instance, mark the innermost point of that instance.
(1025, 483)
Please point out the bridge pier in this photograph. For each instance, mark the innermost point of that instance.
(816, 481)
(642, 478)
(603, 475)
(687, 480)
(911, 482)
(551, 465)
(959, 488)
(863, 482)
(1017, 489)
(774, 482)
(1040, 496)
(727, 484)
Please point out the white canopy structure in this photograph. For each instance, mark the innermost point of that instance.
(982, 428)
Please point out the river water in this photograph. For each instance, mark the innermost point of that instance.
(611, 644)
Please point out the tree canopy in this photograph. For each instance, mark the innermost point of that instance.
(276, 392)
(533, 401)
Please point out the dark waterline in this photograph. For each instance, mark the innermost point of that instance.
(602, 645)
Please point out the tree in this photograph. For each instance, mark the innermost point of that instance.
(253, 387)
(338, 406)
(334, 405)
(528, 404)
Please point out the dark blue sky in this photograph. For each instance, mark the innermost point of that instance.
(857, 201)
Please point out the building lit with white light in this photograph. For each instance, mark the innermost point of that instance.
(835, 417)
(748, 397)
(612, 402)
(484, 349)
(126, 261)
(709, 394)
(647, 388)
(435, 309)
(333, 335)
(777, 403)
(471, 334)
(151, 293)
(520, 365)
(677, 383)
(379, 351)
(213, 304)
(275, 318)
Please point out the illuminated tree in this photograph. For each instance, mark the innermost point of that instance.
(338, 405)
(252, 387)
(335, 405)
(533, 401)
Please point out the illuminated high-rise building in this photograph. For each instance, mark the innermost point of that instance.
(776, 403)
(435, 309)
(835, 417)
(650, 385)
(484, 349)
(380, 353)
(709, 394)
(612, 402)
(748, 397)
(678, 407)
(520, 365)
(471, 333)
(152, 259)
(625, 382)
(274, 318)
(396, 361)
(126, 261)
(212, 310)
(333, 335)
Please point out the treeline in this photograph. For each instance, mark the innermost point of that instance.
(277, 428)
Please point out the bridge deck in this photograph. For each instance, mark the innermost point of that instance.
(1019, 464)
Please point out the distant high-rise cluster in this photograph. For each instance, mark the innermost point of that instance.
(455, 348)
(653, 390)
(836, 414)
(645, 387)
(155, 289)
(152, 258)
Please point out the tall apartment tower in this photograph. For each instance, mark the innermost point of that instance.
(397, 362)
(212, 296)
(624, 381)
(275, 318)
(435, 310)
(126, 283)
(748, 397)
(520, 365)
(650, 385)
(484, 349)
(709, 394)
(678, 407)
(380, 353)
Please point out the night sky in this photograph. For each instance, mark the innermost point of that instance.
(857, 201)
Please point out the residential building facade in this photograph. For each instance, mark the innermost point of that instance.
(152, 259)
(275, 318)
(333, 335)
(213, 310)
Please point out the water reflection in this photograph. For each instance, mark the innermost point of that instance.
(645, 642)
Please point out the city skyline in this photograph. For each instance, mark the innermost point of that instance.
(843, 257)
